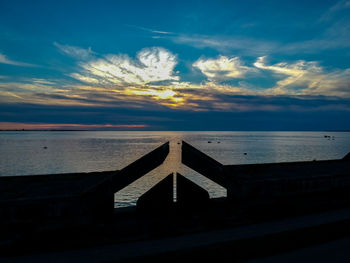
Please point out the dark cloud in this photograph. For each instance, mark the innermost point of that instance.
(318, 113)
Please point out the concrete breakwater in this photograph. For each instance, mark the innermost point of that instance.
(272, 181)
(41, 208)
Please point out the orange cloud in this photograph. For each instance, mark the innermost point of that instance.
(60, 126)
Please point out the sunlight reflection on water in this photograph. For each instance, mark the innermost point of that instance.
(23, 153)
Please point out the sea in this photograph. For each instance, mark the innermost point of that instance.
(54, 152)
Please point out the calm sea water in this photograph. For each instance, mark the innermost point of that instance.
(23, 153)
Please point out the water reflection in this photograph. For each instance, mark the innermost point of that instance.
(23, 153)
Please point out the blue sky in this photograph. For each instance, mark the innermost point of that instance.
(181, 65)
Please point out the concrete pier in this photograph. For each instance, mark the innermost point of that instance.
(71, 217)
(272, 181)
(32, 204)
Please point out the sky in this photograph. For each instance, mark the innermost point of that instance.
(175, 65)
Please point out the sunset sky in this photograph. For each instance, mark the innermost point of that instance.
(175, 65)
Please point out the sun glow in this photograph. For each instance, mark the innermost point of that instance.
(165, 97)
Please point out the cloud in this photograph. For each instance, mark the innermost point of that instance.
(226, 43)
(334, 26)
(149, 81)
(334, 34)
(340, 5)
(206, 97)
(38, 91)
(5, 60)
(61, 126)
(222, 68)
(150, 30)
(151, 65)
(333, 10)
(76, 52)
(307, 78)
(315, 113)
(295, 69)
(334, 37)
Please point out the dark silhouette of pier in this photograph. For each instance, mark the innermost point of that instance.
(310, 201)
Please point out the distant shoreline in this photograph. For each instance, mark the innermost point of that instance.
(63, 130)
